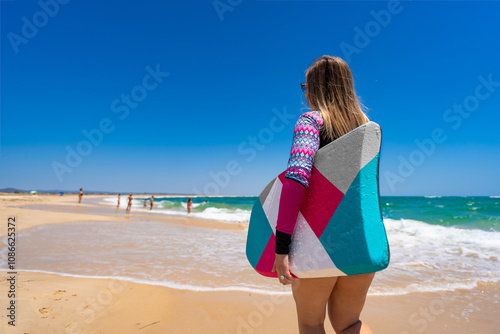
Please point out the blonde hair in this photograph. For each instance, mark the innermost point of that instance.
(330, 90)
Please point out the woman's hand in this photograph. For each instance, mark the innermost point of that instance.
(282, 269)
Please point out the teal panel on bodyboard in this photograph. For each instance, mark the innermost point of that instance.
(355, 237)
(258, 235)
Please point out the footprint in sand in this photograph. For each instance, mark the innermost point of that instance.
(44, 310)
(58, 292)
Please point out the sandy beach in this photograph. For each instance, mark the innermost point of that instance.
(63, 303)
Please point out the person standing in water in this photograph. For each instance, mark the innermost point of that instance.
(335, 110)
(119, 197)
(189, 204)
(80, 194)
(151, 201)
(129, 205)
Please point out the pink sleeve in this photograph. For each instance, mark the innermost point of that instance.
(305, 144)
(292, 196)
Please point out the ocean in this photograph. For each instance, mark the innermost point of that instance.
(437, 244)
(478, 212)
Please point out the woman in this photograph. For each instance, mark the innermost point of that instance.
(189, 204)
(335, 110)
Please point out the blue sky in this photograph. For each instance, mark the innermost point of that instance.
(184, 97)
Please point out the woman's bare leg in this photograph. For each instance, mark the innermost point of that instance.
(346, 302)
(311, 297)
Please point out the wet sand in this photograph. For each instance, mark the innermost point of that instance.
(51, 303)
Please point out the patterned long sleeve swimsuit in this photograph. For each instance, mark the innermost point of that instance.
(306, 141)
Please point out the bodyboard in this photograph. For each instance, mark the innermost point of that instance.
(339, 229)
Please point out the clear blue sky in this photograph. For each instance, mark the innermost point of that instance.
(225, 91)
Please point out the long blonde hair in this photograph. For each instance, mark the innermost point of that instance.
(330, 90)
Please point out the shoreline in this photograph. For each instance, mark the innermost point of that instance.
(38, 210)
(481, 286)
(55, 303)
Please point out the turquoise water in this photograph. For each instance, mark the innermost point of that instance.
(202, 203)
(469, 212)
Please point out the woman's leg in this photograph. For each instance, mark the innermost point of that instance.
(311, 297)
(346, 302)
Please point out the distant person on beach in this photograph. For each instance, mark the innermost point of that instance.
(335, 110)
(80, 194)
(151, 201)
(145, 203)
(129, 205)
(119, 197)
(189, 204)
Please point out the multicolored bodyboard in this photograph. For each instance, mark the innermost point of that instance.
(339, 229)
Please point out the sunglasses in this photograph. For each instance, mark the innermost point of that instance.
(304, 87)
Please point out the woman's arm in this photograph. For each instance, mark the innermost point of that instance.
(305, 143)
(292, 196)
